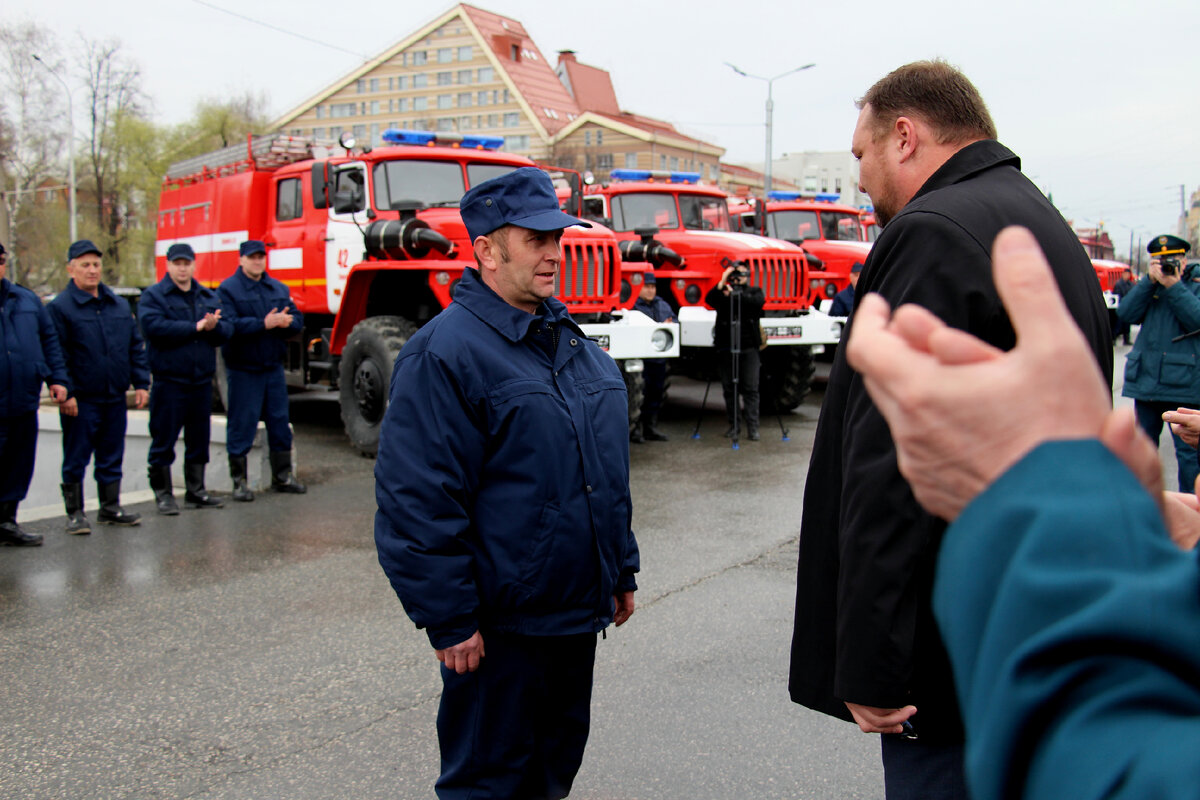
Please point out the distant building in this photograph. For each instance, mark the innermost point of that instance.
(1096, 242)
(1189, 224)
(472, 71)
(742, 181)
(833, 172)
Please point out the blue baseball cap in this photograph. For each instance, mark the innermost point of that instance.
(251, 247)
(180, 250)
(650, 279)
(524, 197)
(82, 248)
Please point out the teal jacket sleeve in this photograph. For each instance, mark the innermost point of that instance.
(1073, 625)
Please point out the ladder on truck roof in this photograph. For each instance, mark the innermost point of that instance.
(269, 151)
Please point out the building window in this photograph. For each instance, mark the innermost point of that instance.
(662, 162)
(390, 84)
(464, 77)
(482, 98)
(604, 161)
(631, 161)
(445, 124)
(374, 107)
(464, 123)
(492, 118)
(674, 164)
(514, 52)
(587, 138)
(512, 119)
(338, 110)
(335, 132)
(402, 105)
(400, 83)
(445, 79)
(374, 84)
(361, 85)
(445, 55)
(465, 53)
(420, 58)
(464, 99)
(420, 81)
(837, 185)
(486, 74)
(445, 101)
(600, 139)
(516, 143)
(375, 140)
(420, 103)
(320, 112)
(318, 133)
(506, 95)
(360, 132)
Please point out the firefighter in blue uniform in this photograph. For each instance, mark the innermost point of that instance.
(264, 318)
(104, 354)
(655, 369)
(29, 355)
(181, 320)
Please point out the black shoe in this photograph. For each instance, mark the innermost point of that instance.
(77, 521)
(282, 479)
(753, 436)
(237, 473)
(651, 432)
(11, 534)
(164, 497)
(196, 495)
(111, 512)
(635, 436)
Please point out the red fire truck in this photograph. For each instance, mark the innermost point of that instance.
(830, 232)
(684, 230)
(869, 225)
(1108, 273)
(371, 244)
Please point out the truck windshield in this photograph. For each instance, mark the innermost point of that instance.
(841, 227)
(793, 226)
(434, 183)
(704, 213)
(651, 209)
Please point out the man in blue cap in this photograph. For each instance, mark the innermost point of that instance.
(182, 323)
(504, 510)
(654, 372)
(843, 301)
(264, 318)
(29, 355)
(1162, 372)
(104, 355)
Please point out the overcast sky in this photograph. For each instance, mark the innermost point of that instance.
(1100, 99)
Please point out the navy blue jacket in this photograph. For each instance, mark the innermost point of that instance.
(100, 339)
(178, 352)
(245, 303)
(659, 310)
(29, 350)
(1159, 369)
(1073, 624)
(503, 474)
(843, 303)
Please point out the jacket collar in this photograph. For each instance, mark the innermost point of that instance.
(5, 285)
(247, 281)
(169, 286)
(510, 322)
(968, 162)
(104, 295)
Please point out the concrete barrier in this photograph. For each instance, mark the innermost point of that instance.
(45, 495)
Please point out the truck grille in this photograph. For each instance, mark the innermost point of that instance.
(587, 279)
(782, 280)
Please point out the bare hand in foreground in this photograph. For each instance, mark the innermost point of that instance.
(464, 656)
(880, 720)
(1185, 423)
(961, 411)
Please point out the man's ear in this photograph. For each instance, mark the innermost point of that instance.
(907, 138)
(485, 253)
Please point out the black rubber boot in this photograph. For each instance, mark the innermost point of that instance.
(282, 479)
(77, 521)
(750, 400)
(197, 496)
(635, 436)
(11, 534)
(164, 498)
(650, 430)
(237, 473)
(111, 512)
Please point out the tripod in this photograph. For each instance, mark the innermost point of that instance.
(735, 358)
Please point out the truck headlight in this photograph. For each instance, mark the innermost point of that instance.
(661, 340)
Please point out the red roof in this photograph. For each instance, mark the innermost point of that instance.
(591, 86)
(532, 75)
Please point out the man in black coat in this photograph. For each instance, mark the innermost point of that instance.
(738, 305)
(865, 646)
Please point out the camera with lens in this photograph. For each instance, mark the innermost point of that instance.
(1169, 265)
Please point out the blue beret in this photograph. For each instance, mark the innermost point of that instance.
(2, 250)
(251, 247)
(180, 250)
(82, 248)
(524, 197)
(650, 279)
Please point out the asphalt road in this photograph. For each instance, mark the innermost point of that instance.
(258, 651)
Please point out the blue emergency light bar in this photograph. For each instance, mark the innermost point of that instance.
(782, 195)
(651, 174)
(828, 197)
(430, 139)
(820, 197)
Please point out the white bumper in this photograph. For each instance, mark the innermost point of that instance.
(632, 334)
(808, 328)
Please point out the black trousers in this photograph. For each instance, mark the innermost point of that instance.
(18, 443)
(515, 729)
(176, 407)
(918, 770)
(748, 367)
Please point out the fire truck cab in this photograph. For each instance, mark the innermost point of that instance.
(830, 232)
(1108, 273)
(684, 231)
(371, 245)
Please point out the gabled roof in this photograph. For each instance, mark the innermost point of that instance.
(643, 128)
(591, 87)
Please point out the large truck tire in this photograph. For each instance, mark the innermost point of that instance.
(365, 376)
(785, 378)
(635, 387)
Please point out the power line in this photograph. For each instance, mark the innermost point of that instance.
(277, 29)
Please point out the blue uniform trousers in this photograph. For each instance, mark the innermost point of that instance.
(254, 396)
(176, 407)
(99, 429)
(1149, 417)
(920, 770)
(515, 729)
(18, 444)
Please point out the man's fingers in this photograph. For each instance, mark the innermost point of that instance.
(1028, 289)
(875, 350)
(953, 347)
(916, 325)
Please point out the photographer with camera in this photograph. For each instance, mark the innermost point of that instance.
(1162, 372)
(737, 337)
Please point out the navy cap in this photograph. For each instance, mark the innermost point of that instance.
(650, 279)
(857, 267)
(524, 197)
(2, 250)
(180, 250)
(82, 248)
(251, 247)
(1168, 245)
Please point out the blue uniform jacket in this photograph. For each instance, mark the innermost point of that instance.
(1158, 368)
(245, 303)
(1073, 625)
(843, 303)
(659, 310)
(178, 352)
(503, 475)
(101, 342)
(29, 350)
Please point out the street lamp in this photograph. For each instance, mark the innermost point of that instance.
(770, 113)
(70, 143)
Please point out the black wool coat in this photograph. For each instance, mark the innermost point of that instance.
(864, 627)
